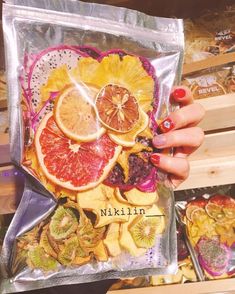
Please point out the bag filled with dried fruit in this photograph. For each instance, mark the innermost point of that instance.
(209, 221)
(88, 85)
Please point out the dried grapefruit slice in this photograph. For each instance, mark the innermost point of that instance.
(75, 113)
(71, 165)
(117, 108)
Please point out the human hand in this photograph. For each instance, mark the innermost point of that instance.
(179, 130)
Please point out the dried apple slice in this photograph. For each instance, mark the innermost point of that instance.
(102, 201)
(136, 197)
(100, 252)
(111, 240)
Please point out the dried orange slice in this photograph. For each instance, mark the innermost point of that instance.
(128, 139)
(75, 113)
(117, 108)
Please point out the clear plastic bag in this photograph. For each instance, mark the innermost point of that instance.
(208, 218)
(87, 84)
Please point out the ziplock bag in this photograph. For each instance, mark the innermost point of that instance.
(87, 84)
(209, 225)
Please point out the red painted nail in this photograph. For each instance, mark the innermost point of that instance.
(179, 93)
(155, 158)
(166, 125)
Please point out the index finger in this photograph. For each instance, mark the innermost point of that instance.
(182, 95)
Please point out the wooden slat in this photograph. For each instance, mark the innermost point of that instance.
(208, 63)
(216, 145)
(4, 149)
(218, 286)
(210, 172)
(220, 112)
(11, 182)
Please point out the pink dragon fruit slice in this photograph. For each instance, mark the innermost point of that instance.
(44, 63)
(213, 256)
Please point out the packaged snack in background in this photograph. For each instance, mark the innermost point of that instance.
(87, 84)
(213, 33)
(230, 80)
(209, 221)
(211, 82)
(186, 272)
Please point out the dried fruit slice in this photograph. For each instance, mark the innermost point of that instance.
(45, 243)
(198, 216)
(39, 259)
(111, 240)
(63, 223)
(229, 212)
(102, 201)
(71, 249)
(100, 252)
(215, 211)
(127, 242)
(213, 256)
(71, 165)
(226, 233)
(40, 68)
(75, 113)
(88, 236)
(144, 229)
(188, 271)
(223, 200)
(189, 211)
(128, 139)
(136, 197)
(117, 108)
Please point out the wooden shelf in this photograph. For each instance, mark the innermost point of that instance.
(213, 163)
(218, 286)
(220, 112)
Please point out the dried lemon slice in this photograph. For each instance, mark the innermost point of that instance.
(75, 113)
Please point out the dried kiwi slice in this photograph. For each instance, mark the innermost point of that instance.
(63, 223)
(71, 250)
(143, 231)
(39, 259)
(88, 235)
(45, 243)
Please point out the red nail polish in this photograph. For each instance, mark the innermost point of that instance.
(155, 158)
(179, 93)
(166, 125)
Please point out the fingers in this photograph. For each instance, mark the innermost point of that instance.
(182, 95)
(179, 167)
(191, 137)
(189, 115)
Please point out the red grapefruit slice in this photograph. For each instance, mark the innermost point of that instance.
(72, 165)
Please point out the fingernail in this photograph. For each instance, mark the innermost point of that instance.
(159, 140)
(166, 125)
(179, 93)
(155, 158)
